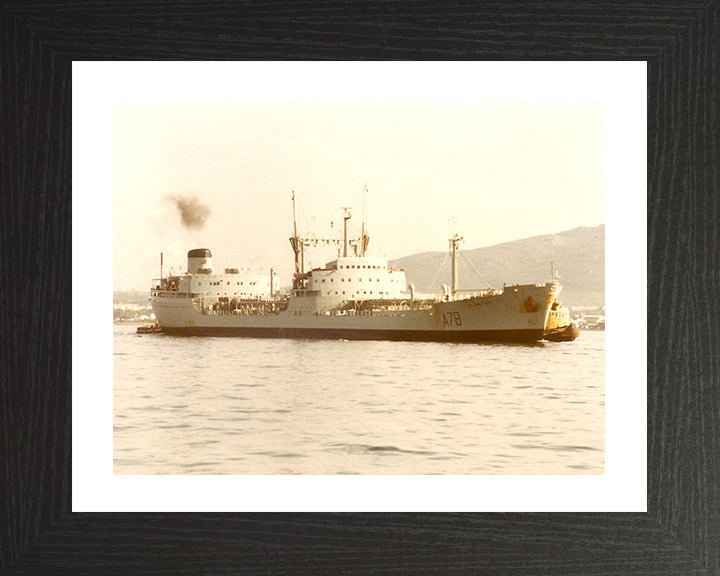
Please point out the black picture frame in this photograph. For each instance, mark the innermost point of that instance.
(680, 533)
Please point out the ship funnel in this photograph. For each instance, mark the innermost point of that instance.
(199, 261)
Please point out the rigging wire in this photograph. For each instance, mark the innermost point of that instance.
(466, 259)
(438, 271)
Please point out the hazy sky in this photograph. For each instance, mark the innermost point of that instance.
(502, 171)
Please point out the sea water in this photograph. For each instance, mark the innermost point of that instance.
(212, 405)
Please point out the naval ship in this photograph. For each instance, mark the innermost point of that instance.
(355, 297)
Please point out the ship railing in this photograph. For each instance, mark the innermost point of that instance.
(242, 308)
(477, 293)
(175, 294)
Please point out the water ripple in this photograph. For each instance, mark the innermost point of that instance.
(281, 407)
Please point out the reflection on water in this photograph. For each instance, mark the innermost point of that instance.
(255, 406)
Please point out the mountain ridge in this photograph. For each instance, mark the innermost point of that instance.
(578, 255)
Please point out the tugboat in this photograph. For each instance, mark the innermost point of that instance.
(559, 327)
(149, 328)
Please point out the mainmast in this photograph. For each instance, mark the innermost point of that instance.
(299, 244)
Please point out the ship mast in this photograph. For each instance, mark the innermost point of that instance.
(454, 241)
(299, 244)
(364, 238)
(346, 217)
(295, 241)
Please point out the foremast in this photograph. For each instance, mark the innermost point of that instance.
(454, 242)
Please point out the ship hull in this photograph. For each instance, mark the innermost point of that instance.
(525, 335)
(504, 317)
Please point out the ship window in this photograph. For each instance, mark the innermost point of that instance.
(228, 284)
(332, 279)
(323, 280)
(335, 291)
(343, 291)
(342, 279)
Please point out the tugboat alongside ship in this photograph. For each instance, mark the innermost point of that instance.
(355, 297)
(559, 327)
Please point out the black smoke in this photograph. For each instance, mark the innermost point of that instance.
(192, 213)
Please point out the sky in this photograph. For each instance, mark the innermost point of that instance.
(490, 171)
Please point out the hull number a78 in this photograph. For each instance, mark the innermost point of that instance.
(451, 319)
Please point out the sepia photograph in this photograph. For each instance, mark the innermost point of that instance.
(360, 259)
(359, 288)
